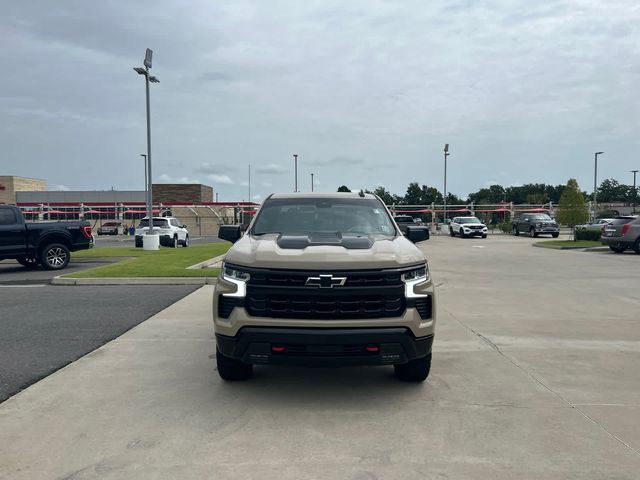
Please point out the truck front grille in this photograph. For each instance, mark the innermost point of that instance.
(307, 305)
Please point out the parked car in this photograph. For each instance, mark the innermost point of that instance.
(622, 233)
(45, 243)
(109, 228)
(467, 227)
(404, 221)
(324, 279)
(535, 224)
(172, 232)
(597, 225)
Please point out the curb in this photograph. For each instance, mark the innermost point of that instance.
(207, 263)
(60, 280)
(558, 247)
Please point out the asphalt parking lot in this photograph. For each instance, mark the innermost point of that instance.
(45, 327)
(535, 375)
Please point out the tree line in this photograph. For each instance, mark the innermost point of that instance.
(609, 191)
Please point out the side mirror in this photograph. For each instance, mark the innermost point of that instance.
(230, 233)
(184, 226)
(417, 234)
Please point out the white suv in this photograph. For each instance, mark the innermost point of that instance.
(172, 232)
(467, 227)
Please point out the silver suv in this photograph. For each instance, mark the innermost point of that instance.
(622, 233)
(324, 279)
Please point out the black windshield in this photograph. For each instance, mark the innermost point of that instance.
(302, 216)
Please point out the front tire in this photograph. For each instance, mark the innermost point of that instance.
(55, 256)
(555, 235)
(515, 231)
(29, 261)
(484, 235)
(532, 232)
(174, 242)
(185, 243)
(636, 246)
(461, 233)
(232, 370)
(452, 232)
(414, 371)
(617, 249)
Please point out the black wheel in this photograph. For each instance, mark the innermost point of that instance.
(532, 232)
(138, 242)
(451, 232)
(484, 235)
(636, 246)
(617, 249)
(29, 261)
(555, 235)
(414, 371)
(461, 233)
(55, 256)
(232, 370)
(174, 242)
(185, 243)
(515, 231)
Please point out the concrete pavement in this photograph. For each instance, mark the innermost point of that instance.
(534, 376)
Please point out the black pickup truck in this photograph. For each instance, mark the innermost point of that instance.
(48, 243)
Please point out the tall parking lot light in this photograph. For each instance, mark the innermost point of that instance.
(148, 79)
(595, 183)
(635, 190)
(295, 166)
(312, 182)
(446, 154)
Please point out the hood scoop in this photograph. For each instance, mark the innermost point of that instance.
(330, 239)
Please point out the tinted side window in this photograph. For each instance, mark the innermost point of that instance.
(7, 217)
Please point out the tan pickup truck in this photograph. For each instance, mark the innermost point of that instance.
(324, 279)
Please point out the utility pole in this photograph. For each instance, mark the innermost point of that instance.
(146, 180)
(148, 78)
(249, 182)
(446, 154)
(312, 182)
(295, 161)
(595, 184)
(635, 191)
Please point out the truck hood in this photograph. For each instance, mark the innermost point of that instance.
(264, 252)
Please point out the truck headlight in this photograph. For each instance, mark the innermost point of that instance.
(236, 276)
(414, 277)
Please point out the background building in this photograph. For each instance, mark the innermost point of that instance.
(10, 186)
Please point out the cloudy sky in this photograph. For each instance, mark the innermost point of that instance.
(365, 91)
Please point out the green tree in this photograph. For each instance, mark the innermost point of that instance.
(572, 210)
(344, 188)
(537, 198)
(384, 195)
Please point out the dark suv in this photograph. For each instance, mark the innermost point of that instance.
(535, 224)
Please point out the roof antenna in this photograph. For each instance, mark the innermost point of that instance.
(361, 193)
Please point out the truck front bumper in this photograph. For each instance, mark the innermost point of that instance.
(324, 347)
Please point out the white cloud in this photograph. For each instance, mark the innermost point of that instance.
(214, 169)
(61, 188)
(273, 168)
(164, 178)
(222, 179)
(267, 184)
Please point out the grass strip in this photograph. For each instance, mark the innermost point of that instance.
(166, 262)
(571, 243)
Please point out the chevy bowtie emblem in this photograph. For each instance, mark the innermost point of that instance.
(326, 281)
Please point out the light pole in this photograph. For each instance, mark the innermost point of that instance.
(312, 182)
(295, 161)
(216, 197)
(635, 190)
(249, 183)
(146, 181)
(446, 154)
(148, 78)
(595, 184)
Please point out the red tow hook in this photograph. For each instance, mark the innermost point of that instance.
(372, 349)
(277, 349)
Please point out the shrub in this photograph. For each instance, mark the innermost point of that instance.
(505, 227)
(588, 235)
